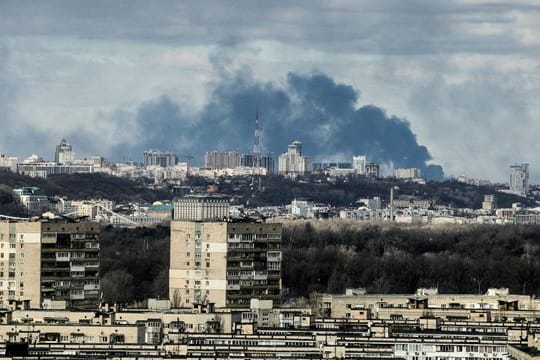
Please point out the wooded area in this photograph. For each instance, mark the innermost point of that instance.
(328, 256)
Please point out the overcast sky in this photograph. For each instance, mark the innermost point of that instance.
(464, 74)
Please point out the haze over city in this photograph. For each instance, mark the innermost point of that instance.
(412, 84)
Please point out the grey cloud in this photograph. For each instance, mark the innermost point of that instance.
(381, 27)
(485, 121)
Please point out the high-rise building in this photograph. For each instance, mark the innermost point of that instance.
(372, 170)
(154, 157)
(64, 153)
(519, 178)
(257, 160)
(224, 263)
(293, 161)
(199, 207)
(48, 260)
(359, 164)
(217, 160)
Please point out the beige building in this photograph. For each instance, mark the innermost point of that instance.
(47, 260)
(293, 161)
(497, 301)
(225, 263)
(198, 207)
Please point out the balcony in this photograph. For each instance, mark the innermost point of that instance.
(62, 257)
(76, 296)
(88, 287)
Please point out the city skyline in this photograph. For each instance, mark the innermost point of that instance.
(454, 80)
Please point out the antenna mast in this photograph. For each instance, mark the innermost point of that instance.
(256, 141)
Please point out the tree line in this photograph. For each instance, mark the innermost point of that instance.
(331, 255)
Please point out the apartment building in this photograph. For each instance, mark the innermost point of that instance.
(49, 260)
(294, 162)
(221, 160)
(160, 158)
(224, 263)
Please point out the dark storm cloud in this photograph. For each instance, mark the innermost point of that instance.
(312, 108)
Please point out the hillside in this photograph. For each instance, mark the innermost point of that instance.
(277, 190)
(77, 186)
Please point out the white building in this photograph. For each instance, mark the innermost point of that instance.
(407, 173)
(374, 203)
(519, 178)
(64, 153)
(293, 161)
(359, 164)
(302, 208)
(8, 163)
(33, 199)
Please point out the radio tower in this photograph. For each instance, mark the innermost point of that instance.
(256, 142)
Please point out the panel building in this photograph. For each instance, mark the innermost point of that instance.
(519, 178)
(217, 160)
(226, 263)
(160, 158)
(49, 260)
(258, 161)
(359, 164)
(293, 161)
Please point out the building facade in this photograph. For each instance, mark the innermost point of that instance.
(64, 153)
(359, 164)
(199, 207)
(160, 158)
(8, 163)
(49, 260)
(407, 173)
(519, 178)
(373, 170)
(217, 160)
(224, 263)
(33, 199)
(293, 162)
(258, 161)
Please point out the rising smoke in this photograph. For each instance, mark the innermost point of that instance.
(311, 107)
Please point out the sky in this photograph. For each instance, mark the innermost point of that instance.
(447, 86)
